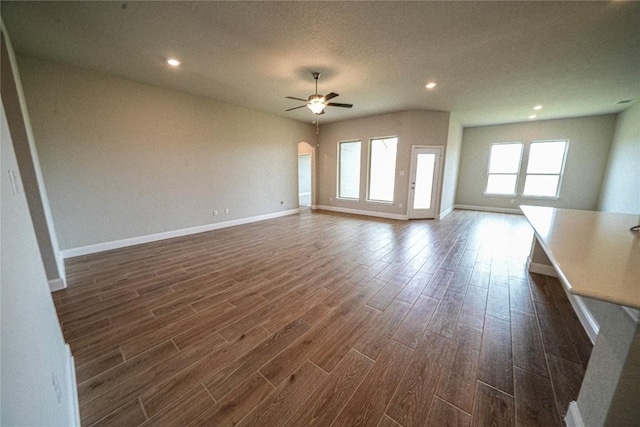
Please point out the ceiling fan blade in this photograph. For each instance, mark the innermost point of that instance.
(297, 99)
(295, 108)
(330, 96)
(337, 104)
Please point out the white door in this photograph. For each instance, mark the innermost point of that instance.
(425, 182)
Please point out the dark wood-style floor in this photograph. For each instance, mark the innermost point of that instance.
(325, 319)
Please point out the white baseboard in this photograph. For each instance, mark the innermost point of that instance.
(488, 209)
(72, 395)
(363, 212)
(106, 246)
(634, 313)
(56, 284)
(573, 417)
(446, 212)
(545, 270)
(587, 320)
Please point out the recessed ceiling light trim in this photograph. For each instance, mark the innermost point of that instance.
(537, 107)
(532, 117)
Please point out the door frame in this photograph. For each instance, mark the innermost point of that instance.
(304, 147)
(310, 156)
(437, 182)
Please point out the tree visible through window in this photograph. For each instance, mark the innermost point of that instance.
(349, 170)
(544, 168)
(382, 169)
(504, 164)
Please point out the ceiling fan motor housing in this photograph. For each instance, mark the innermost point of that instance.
(316, 102)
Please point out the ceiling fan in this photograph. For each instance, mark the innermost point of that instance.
(317, 102)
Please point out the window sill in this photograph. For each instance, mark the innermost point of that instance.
(379, 202)
(508, 196)
(541, 197)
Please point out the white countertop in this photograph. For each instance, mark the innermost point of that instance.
(594, 253)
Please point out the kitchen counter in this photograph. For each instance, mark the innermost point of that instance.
(595, 255)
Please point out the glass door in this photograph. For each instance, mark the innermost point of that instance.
(425, 182)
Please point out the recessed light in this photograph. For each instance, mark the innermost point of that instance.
(173, 62)
(533, 116)
(430, 85)
(537, 107)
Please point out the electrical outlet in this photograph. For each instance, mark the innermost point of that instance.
(215, 212)
(331, 199)
(226, 211)
(399, 205)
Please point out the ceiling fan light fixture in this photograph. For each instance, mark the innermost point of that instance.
(316, 105)
(316, 102)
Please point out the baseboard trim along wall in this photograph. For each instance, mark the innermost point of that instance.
(56, 284)
(72, 394)
(545, 270)
(361, 212)
(107, 246)
(446, 212)
(587, 320)
(573, 417)
(488, 209)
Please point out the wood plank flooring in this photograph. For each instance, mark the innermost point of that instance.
(324, 319)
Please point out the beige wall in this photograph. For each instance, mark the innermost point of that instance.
(123, 160)
(27, 156)
(621, 187)
(451, 164)
(305, 148)
(589, 144)
(411, 128)
(31, 343)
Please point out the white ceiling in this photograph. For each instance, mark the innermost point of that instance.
(493, 61)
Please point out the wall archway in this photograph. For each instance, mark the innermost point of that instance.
(306, 175)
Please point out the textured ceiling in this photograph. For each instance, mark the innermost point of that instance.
(493, 61)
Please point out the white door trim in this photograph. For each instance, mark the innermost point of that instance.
(437, 187)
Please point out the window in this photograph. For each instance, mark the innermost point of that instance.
(504, 164)
(544, 169)
(382, 169)
(349, 170)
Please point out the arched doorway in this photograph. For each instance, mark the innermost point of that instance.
(305, 174)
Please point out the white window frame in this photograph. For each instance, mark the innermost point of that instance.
(517, 173)
(339, 163)
(560, 174)
(369, 170)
